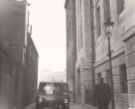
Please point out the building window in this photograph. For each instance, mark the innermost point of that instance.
(123, 78)
(98, 76)
(80, 34)
(98, 20)
(79, 81)
(107, 12)
(81, 37)
(24, 56)
(108, 77)
(120, 5)
(97, 1)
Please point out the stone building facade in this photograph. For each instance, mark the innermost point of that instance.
(129, 43)
(122, 49)
(78, 21)
(71, 44)
(11, 81)
(32, 69)
(85, 55)
(92, 47)
(13, 48)
(13, 27)
(118, 51)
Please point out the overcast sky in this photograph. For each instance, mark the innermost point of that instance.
(49, 34)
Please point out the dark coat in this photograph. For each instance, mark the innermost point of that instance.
(102, 94)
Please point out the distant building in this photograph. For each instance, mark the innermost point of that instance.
(47, 75)
(60, 76)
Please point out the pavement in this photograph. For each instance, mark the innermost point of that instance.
(72, 106)
(81, 106)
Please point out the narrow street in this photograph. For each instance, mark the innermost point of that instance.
(72, 106)
(67, 54)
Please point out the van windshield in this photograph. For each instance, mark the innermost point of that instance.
(53, 88)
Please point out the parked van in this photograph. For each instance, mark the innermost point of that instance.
(54, 95)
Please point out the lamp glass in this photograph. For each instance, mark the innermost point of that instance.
(108, 25)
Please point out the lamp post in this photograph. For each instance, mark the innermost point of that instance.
(108, 25)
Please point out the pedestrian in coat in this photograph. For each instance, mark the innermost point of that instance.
(102, 94)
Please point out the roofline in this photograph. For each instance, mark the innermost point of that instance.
(66, 2)
(33, 43)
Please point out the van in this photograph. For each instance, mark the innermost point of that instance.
(54, 95)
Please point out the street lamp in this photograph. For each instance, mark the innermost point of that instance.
(108, 25)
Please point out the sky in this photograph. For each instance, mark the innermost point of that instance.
(49, 34)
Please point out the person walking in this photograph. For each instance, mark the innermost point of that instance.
(102, 94)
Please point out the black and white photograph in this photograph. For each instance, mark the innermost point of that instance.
(67, 54)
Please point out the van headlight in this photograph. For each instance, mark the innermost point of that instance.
(40, 99)
(65, 100)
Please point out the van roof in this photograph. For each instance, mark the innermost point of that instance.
(54, 82)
